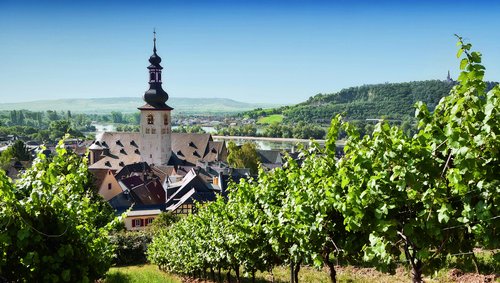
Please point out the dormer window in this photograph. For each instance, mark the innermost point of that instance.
(150, 119)
(165, 119)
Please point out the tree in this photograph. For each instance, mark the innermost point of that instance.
(244, 156)
(53, 227)
(20, 151)
(117, 117)
(6, 158)
(163, 221)
(432, 194)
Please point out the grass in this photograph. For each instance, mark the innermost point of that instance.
(151, 274)
(271, 119)
(139, 274)
(344, 274)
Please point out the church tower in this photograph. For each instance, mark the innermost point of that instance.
(155, 129)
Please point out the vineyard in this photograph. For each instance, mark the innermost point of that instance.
(391, 200)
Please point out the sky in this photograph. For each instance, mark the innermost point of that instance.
(266, 51)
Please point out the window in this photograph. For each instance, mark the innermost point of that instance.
(109, 186)
(152, 76)
(150, 119)
(165, 119)
(184, 209)
(153, 131)
(163, 131)
(147, 131)
(149, 221)
(137, 222)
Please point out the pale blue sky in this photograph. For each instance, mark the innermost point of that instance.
(253, 51)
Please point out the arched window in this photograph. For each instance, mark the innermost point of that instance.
(150, 119)
(165, 119)
(159, 77)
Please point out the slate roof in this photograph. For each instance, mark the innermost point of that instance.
(127, 170)
(119, 149)
(193, 188)
(189, 147)
(151, 192)
(270, 156)
(163, 171)
(214, 150)
(139, 190)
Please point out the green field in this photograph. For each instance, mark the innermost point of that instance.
(139, 274)
(275, 118)
(151, 274)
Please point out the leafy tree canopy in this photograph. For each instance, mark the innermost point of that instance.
(244, 156)
(53, 227)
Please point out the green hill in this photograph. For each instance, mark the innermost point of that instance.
(389, 101)
(130, 104)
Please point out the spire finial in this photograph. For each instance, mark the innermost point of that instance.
(154, 40)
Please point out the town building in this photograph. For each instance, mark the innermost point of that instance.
(144, 170)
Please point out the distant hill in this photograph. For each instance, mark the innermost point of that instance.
(130, 104)
(388, 100)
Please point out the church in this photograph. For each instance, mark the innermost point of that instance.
(156, 170)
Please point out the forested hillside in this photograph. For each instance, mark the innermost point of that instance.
(389, 100)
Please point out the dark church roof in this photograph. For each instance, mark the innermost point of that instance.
(155, 97)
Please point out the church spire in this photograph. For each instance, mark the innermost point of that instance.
(155, 97)
(154, 41)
